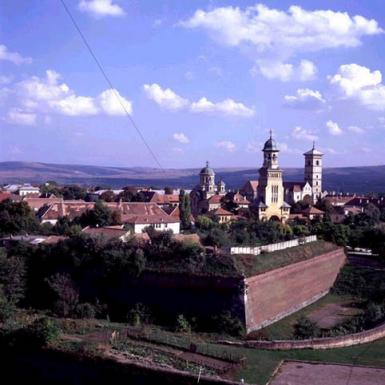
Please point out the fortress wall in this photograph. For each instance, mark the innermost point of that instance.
(279, 293)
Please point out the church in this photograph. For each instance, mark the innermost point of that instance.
(270, 196)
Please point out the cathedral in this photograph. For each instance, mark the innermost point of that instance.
(270, 196)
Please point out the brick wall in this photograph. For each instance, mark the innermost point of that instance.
(278, 293)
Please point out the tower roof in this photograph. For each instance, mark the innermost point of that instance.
(313, 151)
(207, 170)
(270, 144)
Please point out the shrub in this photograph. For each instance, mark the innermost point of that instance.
(182, 324)
(230, 324)
(138, 315)
(305, 328)
(85, 310)
(43, 331)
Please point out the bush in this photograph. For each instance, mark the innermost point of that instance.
(85, 310)
(230, 324)
(305, 328)
(182, 324)
(138, 315)
(43, 331)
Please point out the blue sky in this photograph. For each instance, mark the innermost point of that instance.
(202, 80)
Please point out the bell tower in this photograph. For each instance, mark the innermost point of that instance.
(313, 171)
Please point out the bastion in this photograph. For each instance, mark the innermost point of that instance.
(257, 289)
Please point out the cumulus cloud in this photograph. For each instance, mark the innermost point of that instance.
(227, 107)
(359, 83)
(334, 128)
(303, 134)
(294, 30)
(101, 8)
(17, 116)
(13, 57)
(165, 98)
(271, 69)
(305, 98)
(226, 145)
(113, 103)
(181, 137)
(49, 95)
(168, 99)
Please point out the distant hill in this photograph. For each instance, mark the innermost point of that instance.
(346, 179)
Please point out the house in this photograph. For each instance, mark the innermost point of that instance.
(339, 200)
(36, 203)
(139, 215)
(222, 215)
(22, 189)
(4, 195)
(238, 200)
(108, 233)
(71, 209)
(313, 213)
(164, 201)
(297, 191)
(250, 190)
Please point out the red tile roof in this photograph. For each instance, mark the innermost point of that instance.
(4, 195)
(215, 199)
(221, 212)
(105, 232)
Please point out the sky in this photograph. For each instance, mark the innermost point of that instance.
(202, 80)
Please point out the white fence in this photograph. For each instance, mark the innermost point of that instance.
(272, 247)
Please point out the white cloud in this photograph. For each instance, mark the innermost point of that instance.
(47, 95)
(101, 8)
(168, 99)
(17, 116)
(272, 69)
(226, 145)
(334, 128)
(284, 147)
(181, 137)
(227, 107)
(273, 30)
(305, 98)
(13, 57)
(303, 134)
(356, 129)
(359, 83)
(165, 98)
(113, 103)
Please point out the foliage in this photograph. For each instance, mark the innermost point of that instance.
(185, 210)
(43, 331)
(12, 277)
(138, 315)
(66, 294)
(305, 328)
(230, 324)
(17, 218)
(85, 310)
(182, 324)
(7, 308)
(100, 215)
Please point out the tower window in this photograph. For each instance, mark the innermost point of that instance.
(317, 162)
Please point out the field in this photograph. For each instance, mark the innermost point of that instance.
(303, 373)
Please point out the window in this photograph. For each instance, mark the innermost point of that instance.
(317, 162)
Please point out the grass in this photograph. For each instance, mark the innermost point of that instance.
(284, 328)
(262, 363)
(250, 265)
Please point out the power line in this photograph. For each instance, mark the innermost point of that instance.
(113, 89)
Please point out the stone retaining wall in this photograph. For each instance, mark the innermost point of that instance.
(278, 293)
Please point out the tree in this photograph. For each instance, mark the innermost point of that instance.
(16, 218)
(100, 215)
(182, 324)
(204, 223)
(373, 212)
(108, 196)
(67, 296)
(12, 277)
(185, 210)
(305, 328)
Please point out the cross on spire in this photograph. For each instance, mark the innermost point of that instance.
(207, 163)
(271, 133)
(313, 144)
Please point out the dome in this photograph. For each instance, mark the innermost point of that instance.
(270, 145)
(207, 170)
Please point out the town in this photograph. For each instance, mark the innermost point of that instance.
(192, 192)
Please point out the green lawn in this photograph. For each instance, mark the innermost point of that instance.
(261, 363)
(283, 329)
